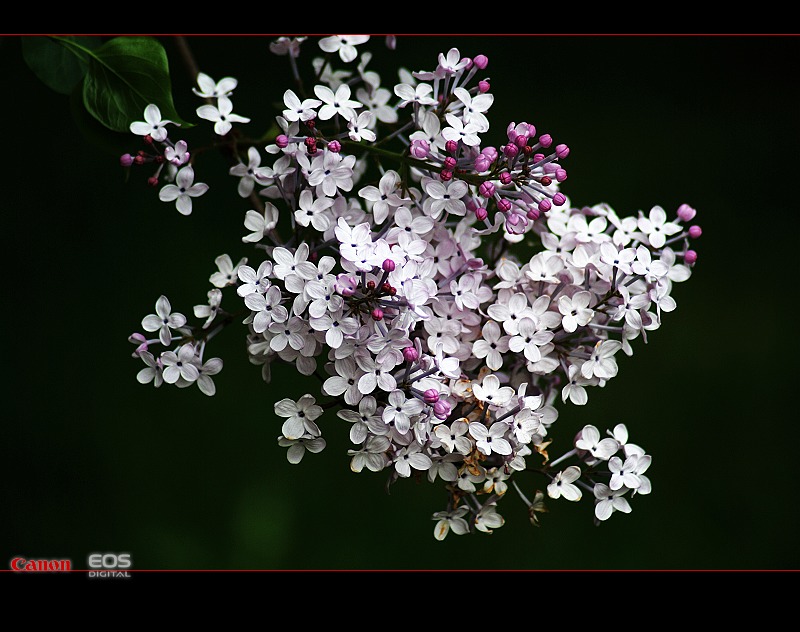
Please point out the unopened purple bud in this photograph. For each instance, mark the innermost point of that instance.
(334, 146)
(282, 141)
(451, 146)
(562, 151)
(482, 163)
(545, 140)
(686, 213)
(559, 199)
(484, 86)
(533, 214)
(441, 410)
(486, 189)
(690, 256)
(152, 181)
(505, 177)
(521, 140)
(695, 231)
(511, 150)
(504, 205)
(481, 61)
(545, 206)
(481, 213)
(126, 160)
(388, 265)
(431, 396)
(410, 354)
(445, 175)
(561, 175)
(490, 153)
(377, 314)
(449, 163)
(419, 148)
(538, 157)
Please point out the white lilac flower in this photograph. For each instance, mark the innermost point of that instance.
(297, 110)
(490, 391)
(419, 94)
(447, 521)
(344, 45)
(153, 125)
(204, 381)
(656, 227)
(254, 280)
(359, 127)
(331, 172)
(623, 473)
(411, 457)
(345, 381)
(221, 115)
(601, 362)
(372, 456)
(260, 224)
(563, 485)
(153, 372)
(384, 197)
(226, 273)
(458, 130)
(492, 346)
(334, 103)
(210, 89)
(249, 173)
(575, 388)
(474, 108)
(298, 447)
(488, 519)
(164, 320)
(529, 339)
(608, 501)
(210, 311)
(399, 410)
(287, 333)
(491, 439)
(314, 212)
(180, 364)
(590, 441)
(300, 416)
(365, 421)
(454, 437)
(266, 307)
(179, 154)
(183, 190)
(575, 311)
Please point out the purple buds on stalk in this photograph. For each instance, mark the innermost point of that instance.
(335, 146)
(690, 257)
(388, 265)
(431, 396)
(419, 148)
(695, 231)
(562, 151)
(410, 354)
(686, 213)
(126, 160)
(481, 213)
(486, 189)
(484, 86)
(451, 147)
(282, 141)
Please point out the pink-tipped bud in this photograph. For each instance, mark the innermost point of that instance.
(481, 61)
(559, 199)
(504, 205)
(388, 265)
(562, 151)
(484, 86)
(441, 410)
(282, 141)
(126, 160)
(346, 285)
(148, 139)
(419, 148)
(505, 177)
(545, 206)
(481, 213)
(512, 219)
(690, 256)
(449, 163)
(482, 163)
(334, 146)
(377, 314)
(561, 175)
(538, 157)
(490, 153)
(431, 396)
(545, 181)
(410, 354)
(445, 175)
(686, 213)
(695, 231)
(521, 140)
(533, 214)
(139, 160)
(451, 146)
(511, 150)
(152, 181)
(545, 140)
(486, 189)
(468, 63)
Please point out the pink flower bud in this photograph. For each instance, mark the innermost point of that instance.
(377, 314)
(481, 213)
(486, 189)
(445, 175)
(504, 205)
(512, 219)
(521, 140)
(334, 146)
(148, 139)
(545, 140)
(126, 160)
(490, 153)
(561, 175)
(420, 148)
(545, 181)
(484, 86)
(505, 177)
(481, 61)
(410, 354)
(690, 256)
(695, 231)
(282, 141)
(139, 160)
(449, 163)
(533, 214)
(538, 157)
(511, 150)
(431, 396)
(441, 410)
(451, 146)
(152, 181)
(545, 206)
(482, 163)
(388, 265)
(346, 285)
(686, 213)
(559, 199)
(562, 151)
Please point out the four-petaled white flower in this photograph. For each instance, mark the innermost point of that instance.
(334, 103)
(563, 484)
(164, 320)
(657, 228)
(491, 439)
(458, 130)
(575, 311)
(608, 501)
(359, 127)
(601, 363)
(490, 391)
(300, 416)
(153, 125)
(183, 190)
(345, 45)
(210, 89)
(180, 364)
(384, 197)
(589, 440)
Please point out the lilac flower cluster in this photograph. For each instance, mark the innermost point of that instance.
(437, 287)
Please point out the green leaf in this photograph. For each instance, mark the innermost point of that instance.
(125, 75)
(61, 63)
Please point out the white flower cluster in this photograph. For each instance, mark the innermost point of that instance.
(445, 294)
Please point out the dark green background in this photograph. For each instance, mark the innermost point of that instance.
(95, 462)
